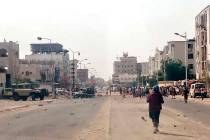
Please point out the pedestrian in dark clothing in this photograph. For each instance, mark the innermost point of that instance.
(202, 93)
(155, 100)
(185, 92)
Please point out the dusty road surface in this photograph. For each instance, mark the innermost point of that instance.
(103, 118)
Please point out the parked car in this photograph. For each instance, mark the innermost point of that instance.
(84, 93)
(198, 89)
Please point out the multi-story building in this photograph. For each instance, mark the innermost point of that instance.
(159, 55)
(202, 37)
(144, 68)
(56, 59)
(9, 58)
(35, 71)
(125, 69)
(175, 50)
(82, 76)
(151, 65)
(126, 64)
(73, 73)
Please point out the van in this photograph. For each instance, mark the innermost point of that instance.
(198, 89)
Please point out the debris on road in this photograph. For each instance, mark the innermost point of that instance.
(71, 113)
(143, 118)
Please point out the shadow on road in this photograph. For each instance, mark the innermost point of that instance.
(172, 134)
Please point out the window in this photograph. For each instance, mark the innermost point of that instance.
(190, 56)
(3, 53)
(190, 48)
(190, 66)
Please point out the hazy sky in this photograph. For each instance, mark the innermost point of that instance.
(100, 29)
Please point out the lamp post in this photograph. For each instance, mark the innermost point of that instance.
(52, 65)
(185, 37)
(73, 67)
(164, 74)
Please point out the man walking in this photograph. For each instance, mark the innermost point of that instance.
(186, 92)
(155, 100)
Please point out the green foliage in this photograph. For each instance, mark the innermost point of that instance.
(175, 70)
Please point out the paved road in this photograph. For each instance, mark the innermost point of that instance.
(196, 111)
(57, 121)
(105, 118)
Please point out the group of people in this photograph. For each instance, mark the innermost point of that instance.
(175, 90)
(135, 91)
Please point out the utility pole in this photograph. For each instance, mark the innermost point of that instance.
(52, 65)
(73, 68)
(186, 62)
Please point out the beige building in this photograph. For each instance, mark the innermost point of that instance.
(175, 50)
(9, 57)
(125, 69)
(35, 71)
(202, 37)
(55, 58)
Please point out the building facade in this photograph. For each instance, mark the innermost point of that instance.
(175, 50)
(52, 60)
(125, 69)
(145, 69)
(9, 58)
(82, 76)
(202, 37)
(151, 65)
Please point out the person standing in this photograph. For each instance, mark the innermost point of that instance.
(155, 100)
(185, 92)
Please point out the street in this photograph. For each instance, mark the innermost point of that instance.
(105, 118)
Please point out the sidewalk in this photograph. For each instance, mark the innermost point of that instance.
(193, 100)
(11, 105)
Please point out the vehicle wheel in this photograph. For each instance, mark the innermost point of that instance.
(33, 96)
(24, 98)
(41, 97)
(16, 97)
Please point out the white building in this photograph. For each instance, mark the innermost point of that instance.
(48, 61)
(202, 37)
(159, 55)
(151, 65)
(144, 68)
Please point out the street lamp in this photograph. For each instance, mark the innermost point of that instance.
(165, 67)
(53, 69)
(73, 68)
(185, 37)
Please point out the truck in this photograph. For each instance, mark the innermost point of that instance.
(23, 91)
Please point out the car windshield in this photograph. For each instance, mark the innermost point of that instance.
(200, 86)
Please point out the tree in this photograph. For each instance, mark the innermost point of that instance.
(174, 70)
